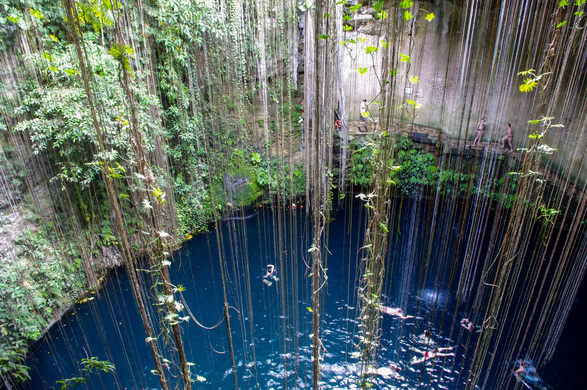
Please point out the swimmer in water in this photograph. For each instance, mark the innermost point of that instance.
(430, 355)
(425, 339)
(527, 374)
(270, 274)
(467, 324)
(394, 311)
(391, 372)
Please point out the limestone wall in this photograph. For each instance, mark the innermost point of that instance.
(467, 62)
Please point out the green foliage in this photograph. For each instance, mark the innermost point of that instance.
(194, 208)
(361, 164)
(405, 4)
(547, 215)
(123, 54)
(58, 119)
(97, 13)
(34, 284)
(417, 169)
(530, 83)
(89, 366)
(270, 175)
(11, 362)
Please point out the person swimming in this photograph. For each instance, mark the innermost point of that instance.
(467, 324)
(424, 339)
(391, 372)
(394, 311)
(527, 374)
(430, 355)
(271, 273)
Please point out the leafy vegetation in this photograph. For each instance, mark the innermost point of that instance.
(34, 284)
(88, 366)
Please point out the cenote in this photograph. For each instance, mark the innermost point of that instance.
(271, 323)
(331, 194)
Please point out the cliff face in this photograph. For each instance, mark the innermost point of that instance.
(464, 64)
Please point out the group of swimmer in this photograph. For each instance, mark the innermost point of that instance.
(524, 370)
(508, 136)
(425, 339)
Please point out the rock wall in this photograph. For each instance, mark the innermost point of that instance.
(467, 62)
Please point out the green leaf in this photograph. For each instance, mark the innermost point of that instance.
(404, 58)
(13, 19)
(382, 15)
(36, 14)
(346, 18)
(53, 38)
(405, 4)
(414, 79)
(408, 15)
(528, 85)
(383, 227)
(392, 72)
(371, 49)
(579, 14)
(356, 7)
(346, 27)
(323, 36)
(362, 70)
(527, 72)
(430, 16)
(378, 5)
(563, 3)
(561, 24)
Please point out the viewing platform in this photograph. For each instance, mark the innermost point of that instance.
(432, 140)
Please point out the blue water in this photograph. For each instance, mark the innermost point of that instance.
(109, 328)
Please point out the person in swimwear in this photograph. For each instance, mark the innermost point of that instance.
(394, 311)
(527, 374)
(481, 125)
(270, 274)
(467, 324)
(508, 137)
(391, 372)
(430, 355)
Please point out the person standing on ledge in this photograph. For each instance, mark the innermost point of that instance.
(364, 111)
(481, 125)
(507, 137)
